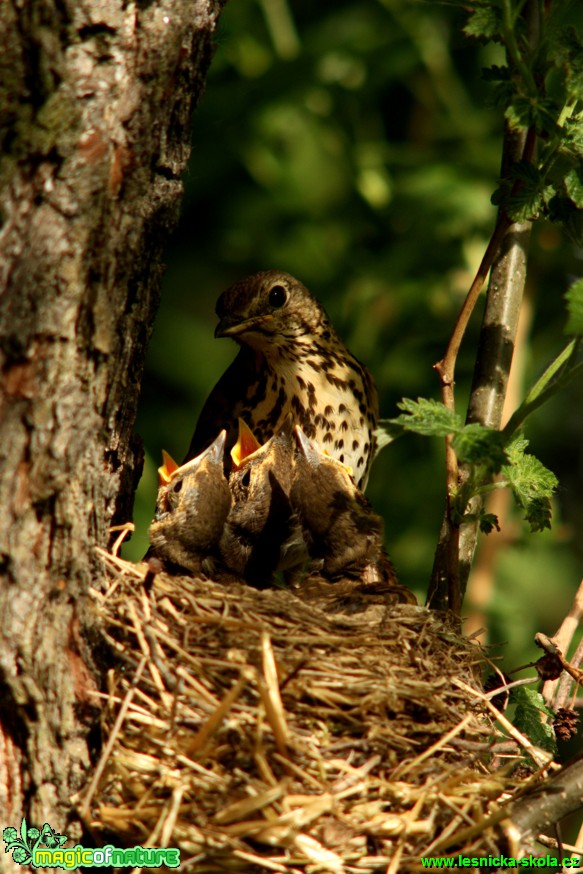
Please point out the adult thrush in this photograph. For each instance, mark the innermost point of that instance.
(291, 361)
(191, 509)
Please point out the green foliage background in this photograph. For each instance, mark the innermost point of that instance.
(356, 145)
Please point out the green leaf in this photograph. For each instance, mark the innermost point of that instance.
(533, 484)
(484, 23)
(538, 112)
(574, 185)
(526, 204)
(568, 50)
(526, 172)
(573, 134)
(387, 432)
(427, 417)
(574, 298)
(527, 198)
(564, 367)
(529, 718)
(476, 444)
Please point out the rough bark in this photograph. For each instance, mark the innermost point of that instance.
(96, 101)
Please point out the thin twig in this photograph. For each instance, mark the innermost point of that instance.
(506, 247)
(562, 639)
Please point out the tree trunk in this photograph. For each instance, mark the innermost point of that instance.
(96, 100)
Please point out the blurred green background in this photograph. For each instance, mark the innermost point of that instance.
(354, 145)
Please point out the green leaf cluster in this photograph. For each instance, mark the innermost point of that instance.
(540, 89)
(486, 453)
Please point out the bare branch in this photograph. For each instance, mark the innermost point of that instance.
(547, 804)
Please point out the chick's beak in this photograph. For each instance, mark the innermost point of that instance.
(214, 453)
(307, 447)
(245, 446)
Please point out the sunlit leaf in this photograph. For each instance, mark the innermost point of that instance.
(533, 484)
(531, 718)
(427, 417)
(574, 298)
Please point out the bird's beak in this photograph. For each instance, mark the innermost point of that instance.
(213, 454)
(307, 447)
(230, 326)
(314, 455)
(245, 446)
(167, 468)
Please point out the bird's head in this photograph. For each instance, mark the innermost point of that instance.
(270, 309)
(311, 458)
(256, 467)
(177, 484)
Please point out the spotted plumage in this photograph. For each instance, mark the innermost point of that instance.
(290, 361)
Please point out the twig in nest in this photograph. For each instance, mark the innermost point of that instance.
(83, 806)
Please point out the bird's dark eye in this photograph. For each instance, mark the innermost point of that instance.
(177, 486)
(277, 296)
(246, 478)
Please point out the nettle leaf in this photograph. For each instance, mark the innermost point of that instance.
(427, 417)
(526, 203)
(525, 195)
(568, 50)
(387, 432)
(574, 185)
(572, 139)
(526, 172)
(476, 444)
(538, 112)
(485, 22)
(530, 718)
(519, 114)
(503, 87)
(488, 521)
(529, 196)
(532, 484)
(574, 298)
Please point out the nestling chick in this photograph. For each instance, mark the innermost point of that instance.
(343, 535)
(261, 534)
(191, 509)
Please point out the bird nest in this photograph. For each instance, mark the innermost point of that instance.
(258, 732)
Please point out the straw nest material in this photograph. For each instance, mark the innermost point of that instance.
(257, 732)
